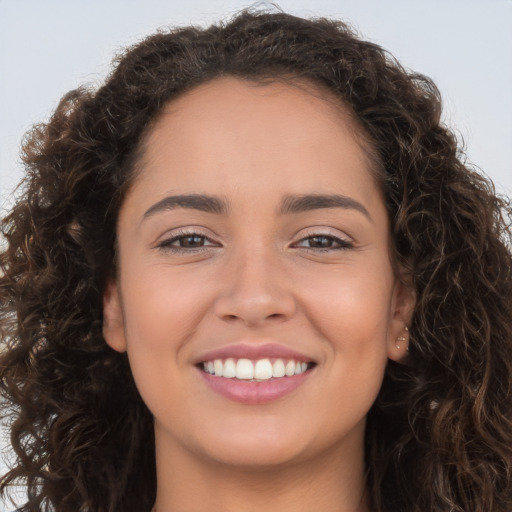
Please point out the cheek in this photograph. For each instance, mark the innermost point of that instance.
(162, 312)
(351, 311)
(351, 306)
(163, 307)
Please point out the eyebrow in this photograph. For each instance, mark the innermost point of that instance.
(304, 203)
(201, 202)
(289, 204)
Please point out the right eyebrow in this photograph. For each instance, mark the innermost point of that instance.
(201, 202)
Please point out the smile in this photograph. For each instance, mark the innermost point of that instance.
(254, 370)
(253, 381)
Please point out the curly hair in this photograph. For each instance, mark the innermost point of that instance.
(438, 438)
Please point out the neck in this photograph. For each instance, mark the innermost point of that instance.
(331, 482)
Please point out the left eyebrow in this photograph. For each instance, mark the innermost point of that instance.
(304, 203)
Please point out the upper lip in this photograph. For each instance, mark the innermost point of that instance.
(254, 351)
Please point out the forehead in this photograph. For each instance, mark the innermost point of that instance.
(237, 133)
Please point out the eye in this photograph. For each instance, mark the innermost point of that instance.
(190, 241)
(186, 242)
(322, 242)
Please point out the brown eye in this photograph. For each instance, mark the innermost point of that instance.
(191, 241)
(324, 243)
(321, 242)
(186, 242)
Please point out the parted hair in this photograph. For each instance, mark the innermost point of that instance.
(438, 438)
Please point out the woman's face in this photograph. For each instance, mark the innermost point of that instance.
(255, 239)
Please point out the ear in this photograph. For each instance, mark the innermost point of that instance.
(113, 325)
(402, 308)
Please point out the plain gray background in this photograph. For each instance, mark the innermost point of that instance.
(49, 47)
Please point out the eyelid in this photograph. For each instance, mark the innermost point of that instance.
(344, 241)
(323, 231)
(164, 242)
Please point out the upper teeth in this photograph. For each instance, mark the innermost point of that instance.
(262, 369)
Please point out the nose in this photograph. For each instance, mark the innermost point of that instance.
(255, 291)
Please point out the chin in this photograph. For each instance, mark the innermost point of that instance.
(256, 456)
(263, 446)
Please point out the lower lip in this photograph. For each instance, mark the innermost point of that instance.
(247, 392)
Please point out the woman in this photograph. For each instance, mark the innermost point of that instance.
(251, 271)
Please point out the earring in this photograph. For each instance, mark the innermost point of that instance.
(402, 339)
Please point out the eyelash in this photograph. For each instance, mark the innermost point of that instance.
(166, 245)
(342, 244)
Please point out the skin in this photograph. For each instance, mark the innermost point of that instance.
(257, 275)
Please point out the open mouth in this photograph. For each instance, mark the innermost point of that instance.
(255, 370)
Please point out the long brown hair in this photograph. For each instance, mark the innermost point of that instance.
(439, 437)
